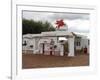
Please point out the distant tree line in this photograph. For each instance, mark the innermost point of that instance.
(35, 27)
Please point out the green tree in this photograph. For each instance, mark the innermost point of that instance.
(35, 27)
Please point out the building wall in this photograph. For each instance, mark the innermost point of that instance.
(83, 43)
(29, 43)
(37, 47)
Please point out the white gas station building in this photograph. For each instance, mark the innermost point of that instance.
(52, 42)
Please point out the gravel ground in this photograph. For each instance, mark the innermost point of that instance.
(45, 61)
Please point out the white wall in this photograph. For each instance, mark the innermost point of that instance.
(29, 42)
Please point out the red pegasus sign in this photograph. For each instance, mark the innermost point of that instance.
(59, 23)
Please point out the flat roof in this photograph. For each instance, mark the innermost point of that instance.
(54, 34)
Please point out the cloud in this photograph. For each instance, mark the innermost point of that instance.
(69, 16)
(37, 16)
(54, 16)
(75, 21)
(78, 25)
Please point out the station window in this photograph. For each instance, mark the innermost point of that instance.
(78, 43)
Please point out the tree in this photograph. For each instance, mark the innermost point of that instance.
(35, 27)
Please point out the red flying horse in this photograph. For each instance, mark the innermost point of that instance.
(59, 23)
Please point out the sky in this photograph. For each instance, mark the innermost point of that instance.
(76, 22)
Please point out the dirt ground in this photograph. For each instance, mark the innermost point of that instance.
(45, 61)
